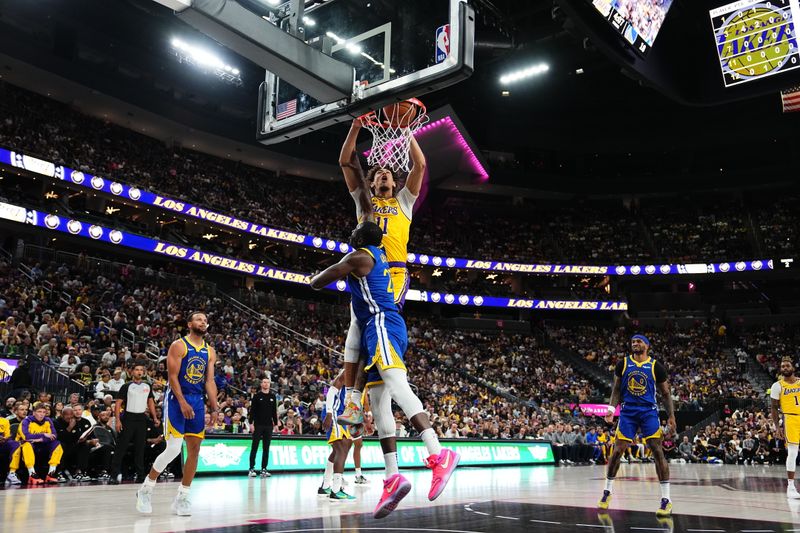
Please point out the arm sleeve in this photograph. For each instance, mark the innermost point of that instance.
(618, 369)
(775, 391)
(406, 201)
(355, 194)
(661, 373)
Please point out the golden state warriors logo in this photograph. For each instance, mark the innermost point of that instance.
(195, 370)
(637, 383)
(754, 41)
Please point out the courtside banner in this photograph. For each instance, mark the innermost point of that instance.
(224, 454)
(141, 196)
(79, 228)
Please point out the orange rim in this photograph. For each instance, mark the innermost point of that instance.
(371, 117)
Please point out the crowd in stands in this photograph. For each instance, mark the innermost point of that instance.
(771, 343)
(741, 436)
(698, 368)
(571, 233)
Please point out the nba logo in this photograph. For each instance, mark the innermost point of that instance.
(442, 43)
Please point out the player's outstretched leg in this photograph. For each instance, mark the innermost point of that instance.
(662, 469)
(611, 472)
(353, 366)
(395, 485)
(442, 461)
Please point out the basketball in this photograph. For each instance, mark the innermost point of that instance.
(401, 114)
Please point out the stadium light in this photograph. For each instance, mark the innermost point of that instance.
(529, 72)
(309, 22)
(205, 59)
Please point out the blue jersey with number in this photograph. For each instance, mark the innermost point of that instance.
(639, 383)
(373, 293)
(194, 365)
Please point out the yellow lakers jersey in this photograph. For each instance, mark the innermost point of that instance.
(396, 228)
(790, 397)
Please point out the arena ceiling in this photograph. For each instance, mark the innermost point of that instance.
(586, 118)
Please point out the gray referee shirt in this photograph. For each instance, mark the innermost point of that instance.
(134, 397)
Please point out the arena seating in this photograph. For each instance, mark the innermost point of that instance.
(650, 231)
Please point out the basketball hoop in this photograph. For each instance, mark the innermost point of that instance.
(391, 128)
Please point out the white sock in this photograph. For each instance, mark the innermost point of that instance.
(32, 471)
(336, 483)
(358, 471)
(356, 397)
(609, 484)
(183, 489)
(790, 483)
(326, 478)
(431, 441)
(148, 484)
(52, 469)
(390, 459)
(347, 392)
(665, 489)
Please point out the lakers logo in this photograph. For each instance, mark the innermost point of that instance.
(637, 383)
(195, 370)
(756, 41)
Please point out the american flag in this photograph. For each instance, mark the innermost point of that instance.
(286, 109)
(790, 99)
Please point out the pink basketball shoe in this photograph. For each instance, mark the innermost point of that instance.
(443, 466)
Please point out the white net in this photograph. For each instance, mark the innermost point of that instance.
(391, 134)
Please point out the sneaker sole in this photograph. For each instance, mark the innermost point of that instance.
(445, 479)
(391, 504)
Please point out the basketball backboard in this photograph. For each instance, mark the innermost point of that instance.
(398, 50)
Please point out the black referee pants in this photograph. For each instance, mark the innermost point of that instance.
(263, 434)
(134, 431)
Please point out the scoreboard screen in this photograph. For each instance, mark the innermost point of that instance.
(755, 39)
(638, 21)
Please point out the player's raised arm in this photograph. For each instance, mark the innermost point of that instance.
(348, 159)
(414, 181)
(357, 262)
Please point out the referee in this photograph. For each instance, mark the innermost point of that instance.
(263, 416)
(134, 398)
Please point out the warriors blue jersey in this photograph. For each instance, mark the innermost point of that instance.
(338, 404)
(194, 365)
(639, 383)
(374, 293)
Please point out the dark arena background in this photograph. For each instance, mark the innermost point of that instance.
(590, 209)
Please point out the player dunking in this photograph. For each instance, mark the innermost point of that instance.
(190, 366)
(785, 394)
(384, 341)
(636, 379)
(392, 211)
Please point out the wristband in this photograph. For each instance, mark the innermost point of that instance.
(610, 410)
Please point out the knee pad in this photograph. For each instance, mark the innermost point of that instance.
(381, 402)
(396, 380)
(173, 450)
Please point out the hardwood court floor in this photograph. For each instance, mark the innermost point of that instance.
(506, 499)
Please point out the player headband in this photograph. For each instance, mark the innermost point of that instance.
(641, 338)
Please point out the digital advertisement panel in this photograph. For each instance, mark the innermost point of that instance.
(220, 454)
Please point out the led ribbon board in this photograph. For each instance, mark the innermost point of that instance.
(755, 39)
(143, 197)
(220, 453)
(184, 253)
